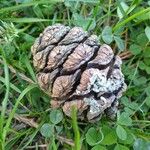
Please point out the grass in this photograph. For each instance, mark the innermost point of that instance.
(76, 130)
(27, 120)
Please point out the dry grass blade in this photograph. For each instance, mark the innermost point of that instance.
(64, 140)
(32, 123)
(39, 146)
(21, 75)
(28, 121)
(125, 55)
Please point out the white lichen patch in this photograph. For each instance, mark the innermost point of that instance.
(97, 107)
(100, 83)
(94, 105)
(118, 62)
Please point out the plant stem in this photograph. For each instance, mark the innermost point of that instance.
(75, 129)
(4, 103)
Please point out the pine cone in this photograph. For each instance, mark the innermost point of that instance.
(74, 69)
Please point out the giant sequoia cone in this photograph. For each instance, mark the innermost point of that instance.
(74, 69)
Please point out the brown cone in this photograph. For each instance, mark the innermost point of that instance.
(74, 69)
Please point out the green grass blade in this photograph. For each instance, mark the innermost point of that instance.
(12, 8)
(54, 143)
(29, 67)
(4, 103)
(85, 1)
(31, 137)
(26, 20)
(17, 136)
(75, 129)
(24, 92)
(11, 85)
(120, 24)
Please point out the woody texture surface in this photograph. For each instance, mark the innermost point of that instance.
(74, 69)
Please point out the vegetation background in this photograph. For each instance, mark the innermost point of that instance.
(26, 119)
